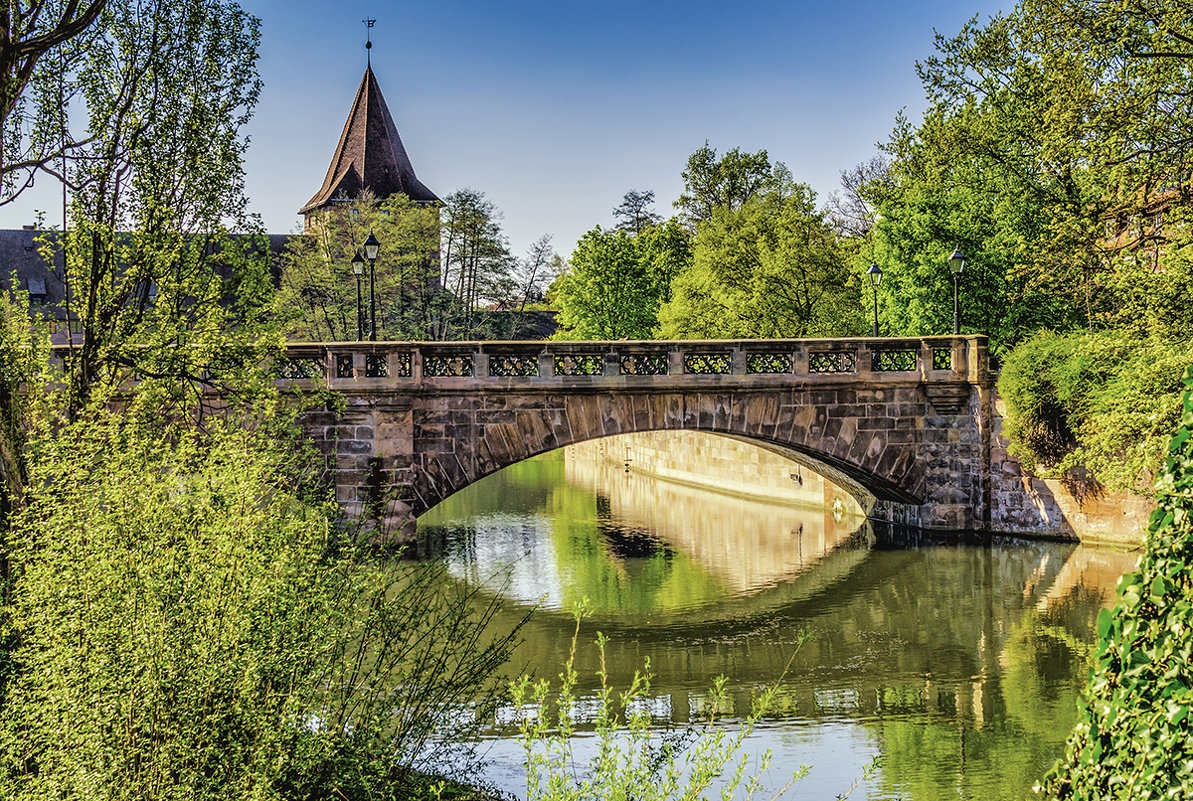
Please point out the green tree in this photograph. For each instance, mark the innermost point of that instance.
(666, 249)
(162, 288)
(182, 616)
(1054, 142)
(616, 283)
(769, 268)
(634, 215)
(476, 262)
(938, 199)
(318, 288)
(164, 295)
(728, 182)
(608, 291)
(43, 43)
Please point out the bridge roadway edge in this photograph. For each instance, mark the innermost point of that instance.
(913, 445)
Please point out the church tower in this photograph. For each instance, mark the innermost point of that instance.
(370, 156)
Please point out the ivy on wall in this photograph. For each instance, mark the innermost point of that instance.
(1134, 735)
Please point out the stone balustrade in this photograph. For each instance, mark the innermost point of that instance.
(394, 366)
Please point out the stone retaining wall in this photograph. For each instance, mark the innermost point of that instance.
(1022, 503)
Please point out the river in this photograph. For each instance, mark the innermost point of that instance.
(958, 666)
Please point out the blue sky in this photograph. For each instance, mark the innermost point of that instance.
(555, 109)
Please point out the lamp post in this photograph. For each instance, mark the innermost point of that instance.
(875, 273)
(358, 269)
(371, 247)
(956, 264)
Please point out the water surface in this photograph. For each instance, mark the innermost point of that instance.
(959, 667)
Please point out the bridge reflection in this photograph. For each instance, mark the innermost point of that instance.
(555, 529)
(745, 544)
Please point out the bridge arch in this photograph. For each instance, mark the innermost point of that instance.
(838, 441)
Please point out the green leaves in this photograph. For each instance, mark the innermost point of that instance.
(616, 283)
(194, 623)
(1134, 736)
(1105, 402)
(769, 268)
(317, 293)
(728, 182)
(750, 257)
(1053, 154)
(1105, 620)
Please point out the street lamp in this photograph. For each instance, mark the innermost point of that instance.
(371, 247)
(358, 269)
(875, 273)
(956, 264)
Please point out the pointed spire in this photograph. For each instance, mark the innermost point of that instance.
(370, 155)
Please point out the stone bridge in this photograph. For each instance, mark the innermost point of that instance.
(903, 424)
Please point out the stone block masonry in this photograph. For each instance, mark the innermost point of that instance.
(1022, 503)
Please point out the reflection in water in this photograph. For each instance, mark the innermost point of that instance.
(746, 544)
(959, 666)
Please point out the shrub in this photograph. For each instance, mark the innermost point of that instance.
(1101, 402)
(192, 627)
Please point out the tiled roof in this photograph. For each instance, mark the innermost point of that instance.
(370, 155)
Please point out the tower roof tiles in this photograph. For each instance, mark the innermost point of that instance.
(370, 155)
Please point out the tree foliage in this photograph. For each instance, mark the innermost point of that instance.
(182, 615)
(727, 182)
(164, 272)
(317, 289)
(609, 290)
(771, 267)
(1054, 153)
(750, 256)
(476, 259)
(1102, 403)
(194, 623)
(938, 200)
(634, 215)
(43, 42)
(1133, 737)
(441, 272)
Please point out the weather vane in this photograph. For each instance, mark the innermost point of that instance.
(369, 23)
